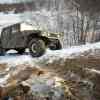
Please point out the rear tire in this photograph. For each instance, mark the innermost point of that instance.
(21, 51)
(37, 47)
(2, 52)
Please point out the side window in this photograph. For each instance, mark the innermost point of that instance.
(15, 28)
(10, 30)
(6, 33)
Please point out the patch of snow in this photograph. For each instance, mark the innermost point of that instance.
(93, 70)
(13, 1)
(3, 80)
(71, 52)
(15, 59)
(9, 19)
(49, 56)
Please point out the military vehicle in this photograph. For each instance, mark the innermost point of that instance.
(13, 37)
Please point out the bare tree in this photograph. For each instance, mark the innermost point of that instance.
(89, 10)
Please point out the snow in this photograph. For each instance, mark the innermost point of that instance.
(49, 56)
(8, 19)
(15, 59)
(93, 71)
(4, 79)
(67, 53)
(13, 1)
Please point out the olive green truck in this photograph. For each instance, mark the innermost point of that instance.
(12, 37)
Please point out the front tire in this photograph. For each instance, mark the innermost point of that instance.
(55, 44)
(37, 47)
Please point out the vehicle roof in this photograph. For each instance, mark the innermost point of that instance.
(5, 25)
(9, 24)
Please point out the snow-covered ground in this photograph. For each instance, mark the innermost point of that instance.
(9, 18)
(49, 56)
(13, 1)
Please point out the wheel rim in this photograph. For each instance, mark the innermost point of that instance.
(36, 47)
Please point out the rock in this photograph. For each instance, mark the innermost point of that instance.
(50, 82)
(3, 67)
(41, 88)
(58, 94)
(25, 89)
(3, 92)
(17, 98)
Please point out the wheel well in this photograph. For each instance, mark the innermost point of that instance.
(45, 39)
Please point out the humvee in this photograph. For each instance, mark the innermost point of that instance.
(12, 37)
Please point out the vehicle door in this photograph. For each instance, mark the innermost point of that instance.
(11, 37)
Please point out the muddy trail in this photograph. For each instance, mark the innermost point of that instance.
(67, 76)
